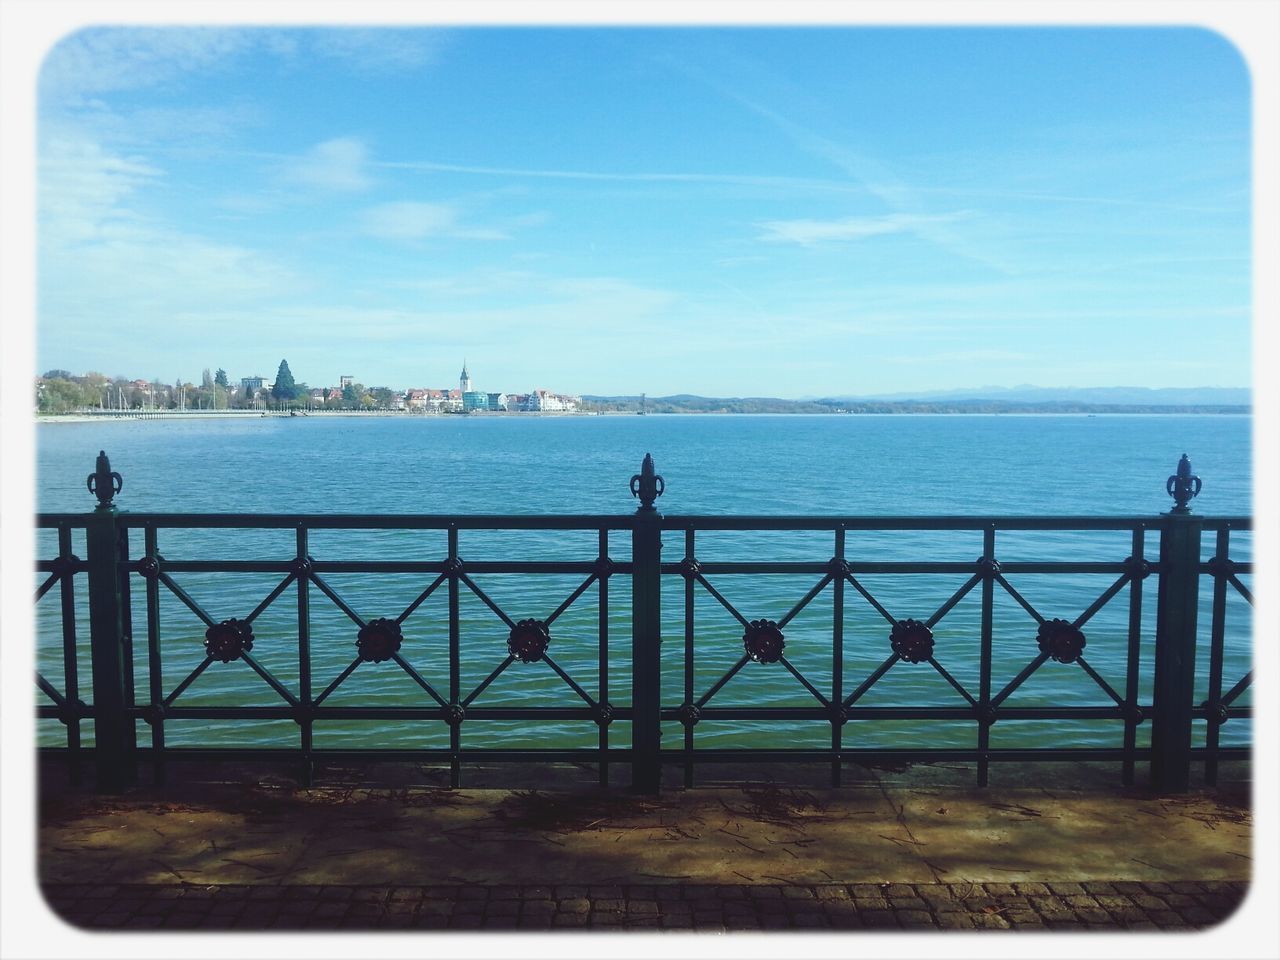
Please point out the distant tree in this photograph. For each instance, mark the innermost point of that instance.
(284, 387)
(57, 375)
(220, 378)
(206, 379)
(352, 392)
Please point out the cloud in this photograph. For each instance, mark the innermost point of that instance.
(107, 265)
(101, 60)
(335, 165)
(409, 220)
(106, 59)
(811, 232)
(374, 50)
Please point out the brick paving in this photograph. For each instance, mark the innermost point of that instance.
(1076, 906)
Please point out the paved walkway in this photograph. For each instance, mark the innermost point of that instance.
(1045, 847)
(1121, 905)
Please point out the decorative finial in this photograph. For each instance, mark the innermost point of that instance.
(1182, 486)
(104, 483)
(647, 485)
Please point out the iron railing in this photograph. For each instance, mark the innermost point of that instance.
(1150, 672)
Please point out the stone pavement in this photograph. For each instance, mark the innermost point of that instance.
(1046, 846)
(1119, 905)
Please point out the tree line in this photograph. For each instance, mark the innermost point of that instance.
(60, 391)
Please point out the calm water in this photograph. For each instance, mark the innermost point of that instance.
(1108, 465)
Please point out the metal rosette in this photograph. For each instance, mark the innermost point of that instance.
(912, 641)
(379, 640)
(1061, 640)
(227, 640)
(763, 641)
(528, 640)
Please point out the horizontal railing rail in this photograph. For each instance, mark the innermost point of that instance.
(742, 648)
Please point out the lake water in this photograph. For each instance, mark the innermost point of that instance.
(848, 465)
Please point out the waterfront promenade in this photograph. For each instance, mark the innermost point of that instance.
(1045, 847)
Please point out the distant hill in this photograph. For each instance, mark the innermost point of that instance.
(999, 400)
(1139, 396)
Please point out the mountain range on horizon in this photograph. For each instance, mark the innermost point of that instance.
(1027, 393)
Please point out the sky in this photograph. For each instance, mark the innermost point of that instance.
(768, 211)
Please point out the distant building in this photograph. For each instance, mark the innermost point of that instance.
(474, 400)
(346, 380)
(540, 401)
(464, 379)
(497, 401)
(251, 383)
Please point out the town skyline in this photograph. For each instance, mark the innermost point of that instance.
(797, 226)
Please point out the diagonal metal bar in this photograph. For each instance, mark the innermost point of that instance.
(868, 683)
(49, 690)
(870, 599)
(422, 597)
(1017, 596)
(956, 597)
(1106, 687)
(572, 597)
(953, 681)
(794, 611)
(191, 677)
(1101, 602)
(489, 679)
(44, 587)
(733, 671)
(182, 595)
(1017, 681)
(408, 668)
(338, 601)
(723, 602)
(1241, 588)
(807, 685)
(569, 680)
(471, 585)
(1239, 688)
(265, 674)
(351, 668)
(270, 598)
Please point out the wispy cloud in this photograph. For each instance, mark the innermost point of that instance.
(811, 232)
(102, 60)
(335, 165)
(376, 50)
(411, 220)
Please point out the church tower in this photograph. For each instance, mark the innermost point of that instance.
(464, 379)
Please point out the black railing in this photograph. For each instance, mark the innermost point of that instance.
(980, 670)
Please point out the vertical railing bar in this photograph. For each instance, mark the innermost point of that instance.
(70, 658)
(604, 657)
(455, 658)
(690, 554)
(1217, 640)
(126, 632)
(837, 660)
(306, 728)
(155, 664)
(1134, 659)
(984, 668)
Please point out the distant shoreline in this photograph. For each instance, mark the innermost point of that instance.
(255, 415)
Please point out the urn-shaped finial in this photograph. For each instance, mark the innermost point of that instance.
(648, 485)
(1183, 485)
(104, 483)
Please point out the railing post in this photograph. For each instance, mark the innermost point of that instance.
(113, 733)
(646, 631)
(1173, 701)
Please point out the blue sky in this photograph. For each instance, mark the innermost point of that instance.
(758, 211)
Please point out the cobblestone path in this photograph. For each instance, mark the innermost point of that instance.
(1120, 905)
